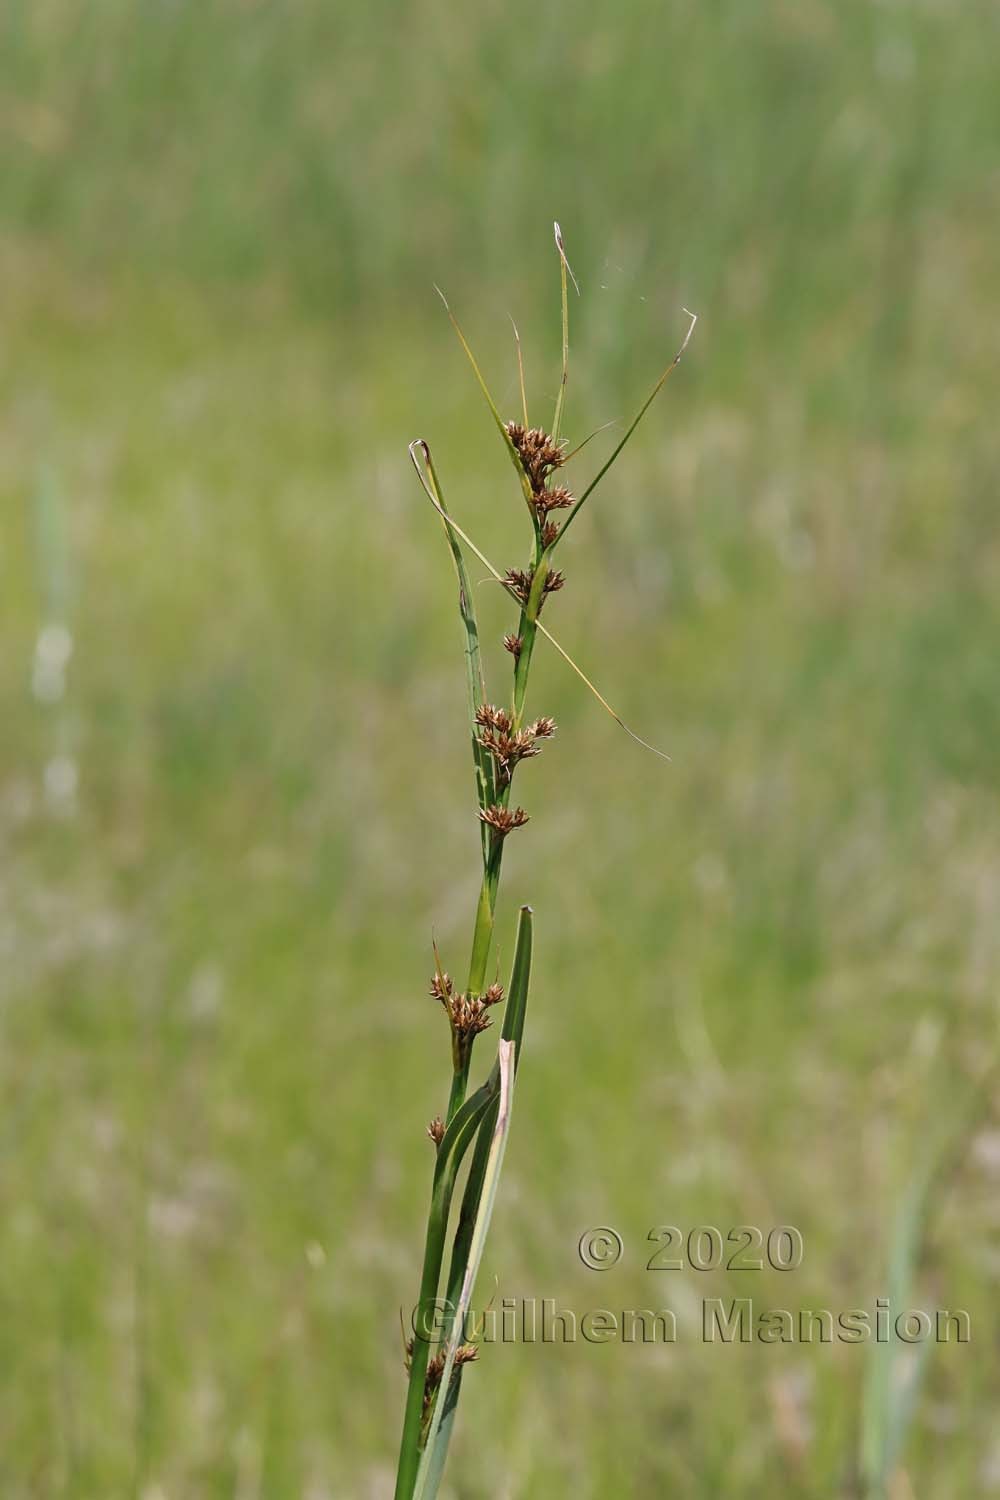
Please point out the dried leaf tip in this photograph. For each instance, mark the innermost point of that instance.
(560, 246)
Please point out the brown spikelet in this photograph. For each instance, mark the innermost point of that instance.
(539, 455)
(493, 995)
(557, 498)
(519, 582)
(513, 644)
(465, 1354)
(502, 820)
(508, 749)
(435, 1130)
(432, 1379)
(441, 987)
(468, 1017)
(490, 717)
(542, 729)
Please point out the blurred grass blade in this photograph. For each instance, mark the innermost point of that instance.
(428, 1475)
(475, 676)
(547, 634)
(592, 486)
(891, 1388)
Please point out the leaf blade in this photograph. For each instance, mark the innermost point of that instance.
(475, 676)
(429, 1473)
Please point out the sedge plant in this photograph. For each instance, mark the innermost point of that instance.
(501, 737)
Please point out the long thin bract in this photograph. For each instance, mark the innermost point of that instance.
(450, 521)
(657, 388)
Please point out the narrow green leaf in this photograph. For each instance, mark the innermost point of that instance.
(475, 677)
(564, 266)
(512, 1031)
(520, 373)
(548, 635)
(428, 1474)
(501, 426)
(592, 486)
(456, 1141)
(520, 980)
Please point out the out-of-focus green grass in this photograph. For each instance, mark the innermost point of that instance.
(764, 971)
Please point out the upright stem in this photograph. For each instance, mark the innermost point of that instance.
(482, 944)
(446, 1166)
(529, 623)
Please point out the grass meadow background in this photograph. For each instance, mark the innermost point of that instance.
(234, 813)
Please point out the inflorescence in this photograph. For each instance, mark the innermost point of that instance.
(468, 1015)
(465, 1354)
(497, 732)
(540, 455)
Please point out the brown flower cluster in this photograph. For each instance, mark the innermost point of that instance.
(468, 1015)
(556, 498)
(519, 582)
(540, 456)
(464, 1355)
(508, 745)
(502, 820)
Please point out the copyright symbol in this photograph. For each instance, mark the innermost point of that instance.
(600, 1249)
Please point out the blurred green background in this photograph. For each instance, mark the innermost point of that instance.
(234, 793)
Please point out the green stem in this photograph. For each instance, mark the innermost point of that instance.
(482, 937)
(529, 623)
(457, 1139)
(482, 944)
(458, 1106)
(512, 1030)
